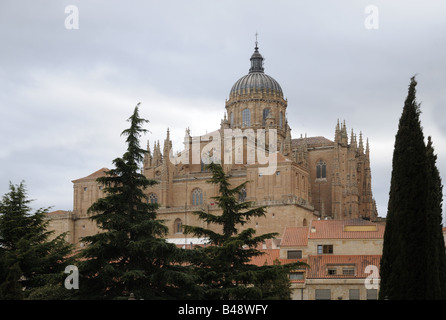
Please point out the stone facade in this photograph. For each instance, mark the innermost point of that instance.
(314, 178)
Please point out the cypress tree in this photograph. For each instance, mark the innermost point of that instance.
(224, 265)
(436, 263)
(407, 265)
(130, 254)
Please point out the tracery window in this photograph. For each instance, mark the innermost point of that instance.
(321, 170)
(153, 198)
(197, 197)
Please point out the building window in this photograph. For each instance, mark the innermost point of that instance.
(324, 249)
(197, 197)
(322, 294)
(321, 170)
(246, 117)
(294, 254)
(281, 119)
(348, 271)
(265, 115)
(372, 294)
(153, 198)
(242, 195)
(231, 117)
(296, 276)
(353, 294)
(178, 226)
(331, 271)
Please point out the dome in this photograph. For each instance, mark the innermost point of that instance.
(256, 79)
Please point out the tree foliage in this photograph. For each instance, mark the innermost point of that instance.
(412, 252)
(29, 258)
(130, 254)
(224, 265)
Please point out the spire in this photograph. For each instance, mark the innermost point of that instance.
(256, 60)
(361, 144)
(337, 133)
(367, 149)
(167, 145)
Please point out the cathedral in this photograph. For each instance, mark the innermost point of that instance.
(302, 179)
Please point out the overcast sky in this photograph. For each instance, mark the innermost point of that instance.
(65, 94)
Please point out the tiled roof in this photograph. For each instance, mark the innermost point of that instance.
(58, 212)
(319, 265)
(312, 141)
(345, 229)
(295, 236)
(270, 256)
(93, 176)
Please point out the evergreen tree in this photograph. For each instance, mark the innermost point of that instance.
(408, 265)
(130, 255)
(27, 253)
(436, 263)
(224, 265)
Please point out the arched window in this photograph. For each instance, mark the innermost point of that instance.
(178, 226)
(281, 119)
(242, 195)
(153, 198)
(246, 117)
(265, 114)
(231, 118)
(197, 197)
(321, 170)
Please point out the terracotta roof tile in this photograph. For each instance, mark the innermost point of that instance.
(346, 229)
(268, 257)
(320, 264)
(295, 236)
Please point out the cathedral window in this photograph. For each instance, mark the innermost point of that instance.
(246, 117)
(321, 170)
(197, 197)
(265, 115)
(242, 195)
(231, 117)
(281, 119)
(178, 226)
(153, 198)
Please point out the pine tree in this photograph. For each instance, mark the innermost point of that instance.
(130, 255)
(224, 265)
(27, 253)
(408, 264)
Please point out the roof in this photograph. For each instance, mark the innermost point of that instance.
(295, 236)
(256, 79)
(270, 256)
(345, 229)
(312, 141)
(58, 212)
(319, 265)
(93, 176)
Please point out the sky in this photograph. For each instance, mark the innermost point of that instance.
(72, 72)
